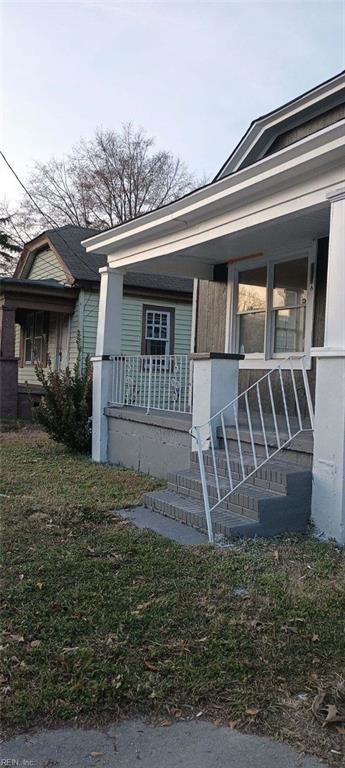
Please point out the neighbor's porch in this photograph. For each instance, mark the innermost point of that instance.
(35, 327)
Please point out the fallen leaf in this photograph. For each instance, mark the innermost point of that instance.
(232, 724)
(150, 666)
(333, 715)
(316, 705)
(39, 584)
(217, 723)
(165, 723)
(35, 643)
(96, 754)
(14, 638)
(252, 711)
(315, 639)
(341, 729)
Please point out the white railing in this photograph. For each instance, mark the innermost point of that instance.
(153, 382)
(255, 412)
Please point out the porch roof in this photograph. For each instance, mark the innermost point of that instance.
(279, 198)
(47, 295)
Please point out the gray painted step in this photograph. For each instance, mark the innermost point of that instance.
(192, 513)
(248, 500)
(276, 514)
(298, 451)
(277, 475)
(275, 500)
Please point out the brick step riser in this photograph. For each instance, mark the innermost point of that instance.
(244, 510)
(285, 454)
(246, 529)
(270, 483)
(196, 521)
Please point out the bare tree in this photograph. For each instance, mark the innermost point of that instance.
(104, 181)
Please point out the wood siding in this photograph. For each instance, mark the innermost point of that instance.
(307, 128)
(211, 316)
(46, 266)
(132, 315)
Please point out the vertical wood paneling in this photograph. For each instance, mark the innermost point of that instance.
(211, 316)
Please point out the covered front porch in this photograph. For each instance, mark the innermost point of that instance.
(268, 244)
(35, 325)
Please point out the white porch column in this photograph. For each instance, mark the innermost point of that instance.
(108, 343)
(328, 497)
(215, 384)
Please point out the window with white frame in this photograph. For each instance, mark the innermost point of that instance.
(273, 308)
(157, 332)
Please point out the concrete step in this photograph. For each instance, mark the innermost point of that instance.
(192, 513)
(299, 450)
(277, 515)
(247, 501)
(277, 475)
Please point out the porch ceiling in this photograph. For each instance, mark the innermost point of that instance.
(283, 233)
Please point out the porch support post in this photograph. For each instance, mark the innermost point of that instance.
(109, 331)
(8, 364)
(328, 496)
(215, 384)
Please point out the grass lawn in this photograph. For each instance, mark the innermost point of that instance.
(102, 620)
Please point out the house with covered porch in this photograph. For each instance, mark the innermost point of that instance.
(259, 446)
(49, 310)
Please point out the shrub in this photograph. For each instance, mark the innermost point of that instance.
(65, 409)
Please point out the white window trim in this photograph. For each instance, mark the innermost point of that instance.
(167, 340)
(269, 360)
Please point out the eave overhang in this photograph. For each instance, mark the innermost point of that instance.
(307, 159)
(265, 129)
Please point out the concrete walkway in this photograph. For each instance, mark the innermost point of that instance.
(194, 744)
(166, 526)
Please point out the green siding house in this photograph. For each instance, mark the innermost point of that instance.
(55, 294)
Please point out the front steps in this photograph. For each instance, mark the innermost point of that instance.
(275, 500)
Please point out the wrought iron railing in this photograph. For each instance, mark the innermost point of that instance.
(247, 414)
(153, 382)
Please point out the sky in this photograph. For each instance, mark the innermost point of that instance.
(193, 74)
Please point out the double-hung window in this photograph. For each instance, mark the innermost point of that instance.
(273, 308)
(158, 331)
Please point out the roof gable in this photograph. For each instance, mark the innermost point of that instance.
(304, 115)
(58, 255)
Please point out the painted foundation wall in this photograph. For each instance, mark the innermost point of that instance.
(152, 447)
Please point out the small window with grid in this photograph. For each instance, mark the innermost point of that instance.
(157, 332)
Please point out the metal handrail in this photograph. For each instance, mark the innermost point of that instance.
(218, 420)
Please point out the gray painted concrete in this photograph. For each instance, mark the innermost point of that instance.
(194, 744)
(148, 443)
(166, 526)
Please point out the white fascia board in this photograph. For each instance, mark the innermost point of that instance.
(262, 124)
(309, 154)
(174, 214)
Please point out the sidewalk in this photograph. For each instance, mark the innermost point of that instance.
(193, 744)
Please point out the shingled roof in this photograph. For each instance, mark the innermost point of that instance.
(85, 266)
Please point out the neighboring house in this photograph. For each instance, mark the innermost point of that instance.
(54, 297)
(265, 244)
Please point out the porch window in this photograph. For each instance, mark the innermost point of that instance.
(158, 331)
(251, 308)
(290, 282)
(274, 308)
(35, 338)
